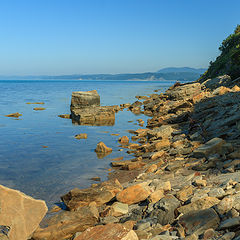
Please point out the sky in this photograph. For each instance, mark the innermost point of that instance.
(54, 37)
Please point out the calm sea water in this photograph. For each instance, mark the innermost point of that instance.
(48, 173)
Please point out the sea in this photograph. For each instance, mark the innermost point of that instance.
(38, 152)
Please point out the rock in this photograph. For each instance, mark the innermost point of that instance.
(108, 232)
(123, 140)
(35, 103)
(211, 147)
(102, 193)
(81, 136)
(217, 192)
(119, 209)
(94, 116)
(66, 224)
(200, 96)
(227, 236)
(184, 92)
(67, 116)
(200, 183)
(3, 237)
(229, 223)
(16, 115)
(214, 83)
(39, 108)
(133, 194)
(209, 234)
(162, 132)
(184, 193)
(156, 196)
(221, 90)
(200, 220)
(102, 148)
(225, 205)
(152, 168)
(85, 99)
(236, 88)
(97, 179)
(157, 155)
(202, 203)
(164, 210)
(20, 212)
(161, 144)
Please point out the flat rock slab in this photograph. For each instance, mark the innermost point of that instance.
(66, 224)
(20, 212)
(102, 193)
(108, 232)
(200, 220)
(211, 147)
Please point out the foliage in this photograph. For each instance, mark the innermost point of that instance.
(228, 62)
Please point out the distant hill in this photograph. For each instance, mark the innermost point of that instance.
(178, 74)
(182, 69)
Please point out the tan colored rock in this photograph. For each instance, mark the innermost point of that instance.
(162, 144)
(119, 209)
(101, 193)
(81, 136)
(185, 193)
(16, 115)
(67, 116)
(236, 88)
(123, 140)
(133, 194)
(157, 155)
(200, 183)
(221, 90)
(152, 168)
(166, 186)
(108, 232)
(66, 224)
(35, 103)
(102, 148)
(200, 204)
(133, 146)
(225, 205)
(156, 196)
(197, 98)
(39, 108)
(20, 212)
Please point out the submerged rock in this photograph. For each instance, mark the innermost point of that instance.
(16, 115)
(81, 136)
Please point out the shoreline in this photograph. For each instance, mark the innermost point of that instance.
(183, 182)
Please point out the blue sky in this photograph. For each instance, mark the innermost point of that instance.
(111, 36)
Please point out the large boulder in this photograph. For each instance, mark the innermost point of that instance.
(134, 194)
(94, 116)
(102, 193)
(214, 83)
(183, 92)
(20, 212)
(85, 99)
(108, 232)
(66, 224)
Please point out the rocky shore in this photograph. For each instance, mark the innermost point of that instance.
(183, 181)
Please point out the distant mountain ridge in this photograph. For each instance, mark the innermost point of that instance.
(182, 69)
(178, 74)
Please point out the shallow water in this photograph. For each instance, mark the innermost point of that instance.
(48, 173)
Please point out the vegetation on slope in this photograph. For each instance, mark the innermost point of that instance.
(228, 62)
